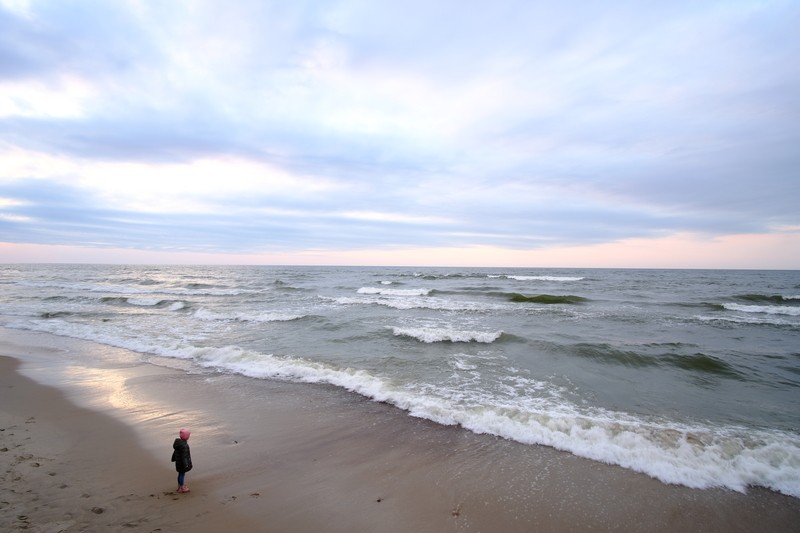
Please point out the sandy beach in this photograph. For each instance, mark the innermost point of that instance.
(86, 433)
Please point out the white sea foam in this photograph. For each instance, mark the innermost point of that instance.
(769, 320)
(270, 316)
(427, 302)
(697, 457)
(447, 335)
(145, 302)
(435, 304)
(136, 343)
(394, 292)
(177, 306)
(204, 292)
(765, 309)
(535, 278)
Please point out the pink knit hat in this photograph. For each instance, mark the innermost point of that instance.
(184, 434)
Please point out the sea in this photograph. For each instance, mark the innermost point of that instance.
(689, 376)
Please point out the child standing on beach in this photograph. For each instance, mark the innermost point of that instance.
(182, 457)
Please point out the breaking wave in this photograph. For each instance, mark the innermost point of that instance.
(547, 299)
(430, 335)
(394, 292)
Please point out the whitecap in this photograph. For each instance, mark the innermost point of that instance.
(268, 317)
(429, 335)
(394, 292)
(145, 302)
(764, 309)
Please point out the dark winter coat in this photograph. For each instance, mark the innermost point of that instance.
(182, 456)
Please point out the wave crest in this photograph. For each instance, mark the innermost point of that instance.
(764, 309)
(430, 335)
(394, 292)
(547, 298)
(211, 316)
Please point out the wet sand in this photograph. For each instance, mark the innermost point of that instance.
(87, 432)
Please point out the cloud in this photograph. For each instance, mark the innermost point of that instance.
(364, 125)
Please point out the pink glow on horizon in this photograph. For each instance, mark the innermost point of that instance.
(763, 251)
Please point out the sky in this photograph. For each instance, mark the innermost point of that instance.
(368, 132)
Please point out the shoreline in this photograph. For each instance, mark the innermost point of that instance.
(279, 456)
